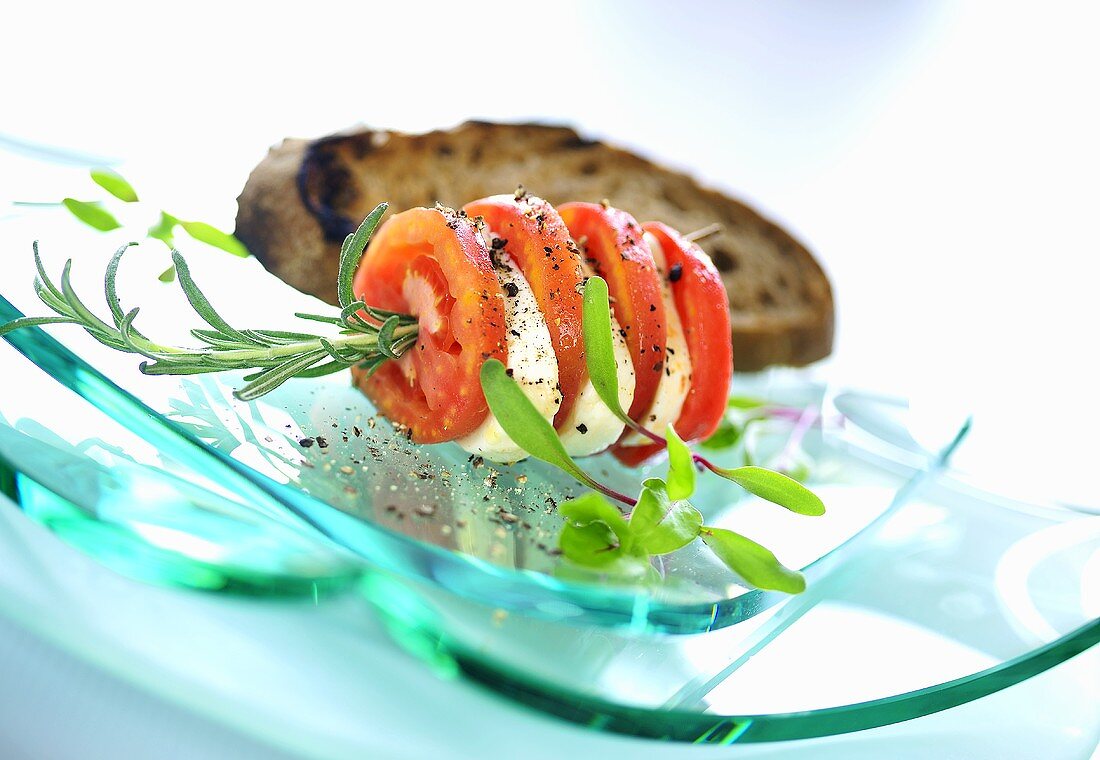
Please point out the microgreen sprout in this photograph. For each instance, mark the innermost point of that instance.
(596, 535)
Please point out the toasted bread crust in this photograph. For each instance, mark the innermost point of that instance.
(303, 199)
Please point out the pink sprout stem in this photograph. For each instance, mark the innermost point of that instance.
(611, 493)
(806, 420)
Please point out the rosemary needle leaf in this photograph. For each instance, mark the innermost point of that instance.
(372, 364)
(351, 309)
(255, 337)
(382, 314)
(327, 368)
(352, 251)
(90, 321)
(338, 356)
(125, 330)
(57, 303)
(282, 335)
(43, 277)
(15, 324)
(385, 337)
(215, 339)
(319, 318)
(200, 303)
(109, 288)
(273, 377)
(171, 368)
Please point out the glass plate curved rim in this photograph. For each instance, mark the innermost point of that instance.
(676, 725)
(523, 591)
(717, 728)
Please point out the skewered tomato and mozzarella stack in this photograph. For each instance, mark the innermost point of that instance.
(504, 278)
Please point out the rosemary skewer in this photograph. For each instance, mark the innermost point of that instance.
(367, 336)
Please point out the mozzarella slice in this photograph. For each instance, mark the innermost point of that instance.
(673, 389)
(590, 427)
(531, 361)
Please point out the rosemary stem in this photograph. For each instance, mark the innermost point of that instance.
(267, 353)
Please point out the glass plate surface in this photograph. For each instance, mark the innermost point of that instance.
(920, 597)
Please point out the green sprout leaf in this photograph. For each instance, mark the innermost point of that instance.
(776, 488)
(599, 347)
(592, 507)
(681, 467)
(206, 233)
(351, 252)
(744, 402)
(113, 183)
(755, 564)
(661, 525)
(726, 436)
(92, 214)
(596, 536)
(590, 545)
(522, 422)
(744, 411)
(168, 275)
(595, 547)
(164, 229)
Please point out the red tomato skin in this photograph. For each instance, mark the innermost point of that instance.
(435, 388)
(539, 242)
(614, 247)
(703, 306)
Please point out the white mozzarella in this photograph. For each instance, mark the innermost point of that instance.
(531, 360)
(590, 427)
(673, 388)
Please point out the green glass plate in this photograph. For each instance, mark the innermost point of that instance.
(920, 597)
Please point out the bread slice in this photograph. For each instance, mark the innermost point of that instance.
(303, 199)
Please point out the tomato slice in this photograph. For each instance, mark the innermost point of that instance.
(703, 306)
(537, 239)
(614, 248)
(435, 265)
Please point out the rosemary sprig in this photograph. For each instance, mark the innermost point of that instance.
(367, 336)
